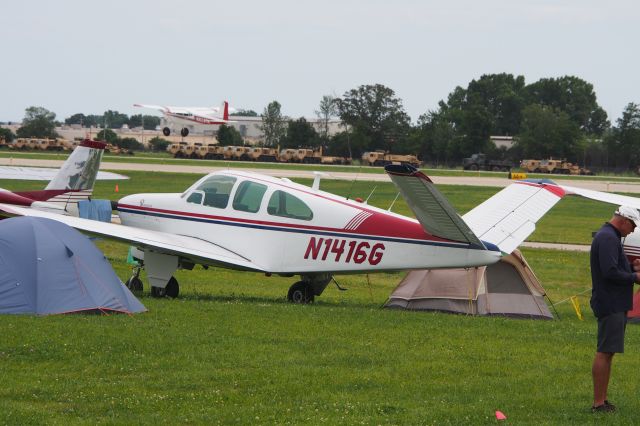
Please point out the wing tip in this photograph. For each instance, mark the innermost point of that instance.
(550, 186)
(405, 170)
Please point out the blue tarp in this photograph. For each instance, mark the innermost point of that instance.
(95, 210)
(47, 267)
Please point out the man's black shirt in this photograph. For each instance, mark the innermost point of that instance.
(611, 274)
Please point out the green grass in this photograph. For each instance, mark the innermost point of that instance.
(231, 350)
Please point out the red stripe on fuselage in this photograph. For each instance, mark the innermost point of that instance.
(377, 224)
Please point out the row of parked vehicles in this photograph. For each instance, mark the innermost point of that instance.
(288, 155)
(58, 144)
(562, 167)
(480, 161)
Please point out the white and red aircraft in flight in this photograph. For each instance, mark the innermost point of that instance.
(252, 222)
(71, 183)
(181, 117)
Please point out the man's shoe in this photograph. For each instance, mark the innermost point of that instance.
(604, 408)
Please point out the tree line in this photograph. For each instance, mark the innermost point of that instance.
(551, 117)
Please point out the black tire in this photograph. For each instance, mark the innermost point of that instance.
(166, 131)
(473, 167)
(496, 168)
(157, 292)
(301, 293)
(134, 284)
(184, 132)
(172, 289)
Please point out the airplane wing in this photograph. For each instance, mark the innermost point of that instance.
(158, 107)
(431, 208)
(195, 249)
(605, 197)
(43, 173)
(510, 216)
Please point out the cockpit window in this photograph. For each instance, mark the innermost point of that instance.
(286, 205)
(216, 190)
(249, 196)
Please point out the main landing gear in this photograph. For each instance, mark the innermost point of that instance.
(305, 290)
(171, 290)
(160, 269)
(184, 132)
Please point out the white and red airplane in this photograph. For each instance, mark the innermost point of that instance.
(73, 182)
(631, 244)
(252, 222)
(181, 117)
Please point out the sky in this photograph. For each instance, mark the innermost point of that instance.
(73, 56)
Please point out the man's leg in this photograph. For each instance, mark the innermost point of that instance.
(601, 371)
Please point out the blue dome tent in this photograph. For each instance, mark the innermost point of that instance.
(47, 267)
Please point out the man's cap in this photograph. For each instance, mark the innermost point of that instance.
(630, 213)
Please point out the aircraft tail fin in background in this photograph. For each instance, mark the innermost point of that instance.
(75, 179)
(436, 215)
(509, 217)
(225, 110)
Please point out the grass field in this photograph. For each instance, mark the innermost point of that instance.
(231, 350)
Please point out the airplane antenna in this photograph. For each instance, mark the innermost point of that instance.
(372, 191)
(338, 285)
(354, 181)
(393, 202)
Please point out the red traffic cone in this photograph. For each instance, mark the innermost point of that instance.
(116, 187)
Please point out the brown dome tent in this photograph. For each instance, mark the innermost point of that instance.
(508, 288)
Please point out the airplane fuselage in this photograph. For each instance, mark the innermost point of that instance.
(287, 228)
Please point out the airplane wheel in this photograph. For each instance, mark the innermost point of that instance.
(172, 289)
(134, 284)
(184, 132)
(157, 291)
(300, 292)
(166, 131)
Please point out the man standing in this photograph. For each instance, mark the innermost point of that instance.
(611, 297)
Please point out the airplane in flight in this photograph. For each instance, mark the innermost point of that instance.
(181, 117)
(73, 182)
(253, 222)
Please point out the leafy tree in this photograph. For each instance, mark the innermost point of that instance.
(228, 136)
(273, 124)
(114, 119)
(129, 143)
(150, 122)
(245, 113)
(78, 118)
(6, 134)
(93, 120)
(38, 122)
(435, 138)
(328, 108)
(108, 136)
(300, 134)
(488, 106)
(377, 114)
(575, 97)
(345, 144)
(547, 132)
(623, 143)
(158, 144)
